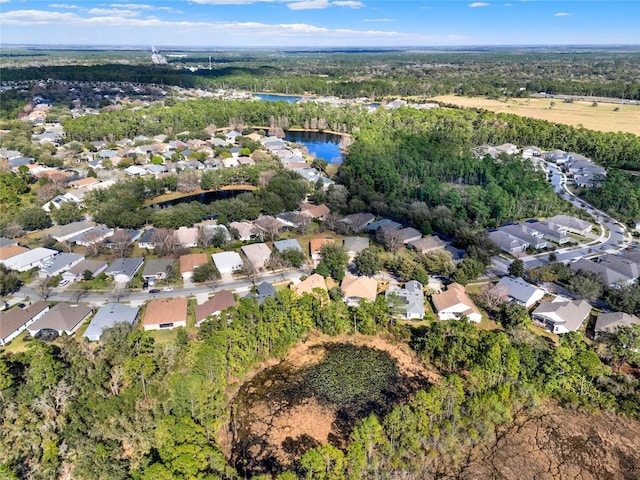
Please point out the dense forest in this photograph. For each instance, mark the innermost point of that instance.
(133, 408)
(373, 74)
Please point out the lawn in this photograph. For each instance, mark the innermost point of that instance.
(602, 118)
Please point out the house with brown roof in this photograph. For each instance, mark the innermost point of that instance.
(75, 273)
(16, 320)
(409, 234)
(83, 182)
(186, 236)
(430, 243)
(316, 244)
(63, 318)
(314, 211)
(11, 251)
(222, 301)
(359, 288)
(454, 303)
(309, 284)
(188, 263)
(166, 314)
(258, 255)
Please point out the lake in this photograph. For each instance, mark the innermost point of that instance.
(277, 98)
(319, 144)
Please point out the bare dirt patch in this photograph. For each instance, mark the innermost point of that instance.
(304, 401)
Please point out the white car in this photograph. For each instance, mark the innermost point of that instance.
(167, 289)
(63, 283)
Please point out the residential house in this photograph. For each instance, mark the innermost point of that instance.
(610, 322)
(92, 236)
(222, 300)
(519, 291)
(507, 148)
(189, 263)
(607, 275)
(186, 236)
(15, 321)
(227, 262)
(123, 270)
(146, 239)
(557, 156)
(409, 234)
(212, 233)
(263, 291)
(108, 316)
(356, 289)
(354, 245)
(63, 318)
(59, 264)
(9, 251)
(412, 299)
(30, 259)
(508, 243)
(309, 284)
(526, 234)
(84, 182)
(65, 232)
(454, 304)
(315, 246)
(258, 255)
(292, 243)
(356, 222)
(531, 152)
(75, 273)
(430, 243)
(314, 211)
(135, 171)
(628, 267)
(6, 242)
(562, 316)
(484, 150)
(551, 231)
(385, 223)
(572, 224)
(165, 314)
(158, 269)
(293, 219)
(57, 201)
(246, 231)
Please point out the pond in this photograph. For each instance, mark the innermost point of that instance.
(289, 408)
(271, 97)
(319, 144)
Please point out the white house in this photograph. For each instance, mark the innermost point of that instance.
(30, 259)
(454, 304)
(16, 320)
(562, 316)
(227, 262)
(519, 291)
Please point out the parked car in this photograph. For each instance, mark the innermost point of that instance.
(154, 290)
(167, 289)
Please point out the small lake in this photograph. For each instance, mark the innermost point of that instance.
(319, 145)
(277, 98)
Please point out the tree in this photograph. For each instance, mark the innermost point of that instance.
(389, 237)
(492, 296)
(9, 280)
(68, 212)
(335, 258)
(586, 285)
(516, 268)
(188, 181)
(163, 240)
(33, 218)
(368, 262)
(140, 367)
(120, 242)
(512, 314)
(45, 287)
(207, 273)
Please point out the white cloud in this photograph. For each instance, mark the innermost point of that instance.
(562, 14)
(479, 4)
(309, 5)
(229, 2)
(378, 20)
(60, 5)
(349, 4)
(113, 11)
(132, 6)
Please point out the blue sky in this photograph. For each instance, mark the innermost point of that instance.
(319, 23)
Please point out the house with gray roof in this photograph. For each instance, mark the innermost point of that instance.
(75, 273)
(157, 268)
(409, 234)
(356, 222)
(59, 264)
(607, 275)
(526, 234)
(124, 269)
(145, 240)
(63, 318)
(65, 232)
(572, 224)
(354, 245)
(610, 322)
(263, 291)
(519, 291)
(15, 321)
(562, 316)
(384, 222)
(427, 244)
(550, 231)
(5, 242)
(412, 299)
(292, 243)
(508, 243)
(92, 236)
(108, 316)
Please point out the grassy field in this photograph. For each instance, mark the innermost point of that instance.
(603, 117)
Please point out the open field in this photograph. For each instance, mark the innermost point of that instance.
(602, 117)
